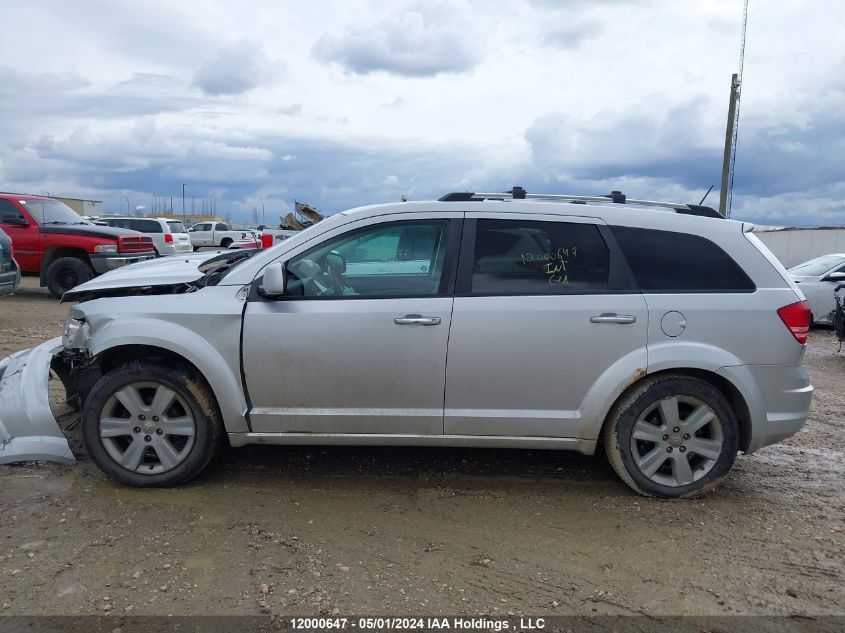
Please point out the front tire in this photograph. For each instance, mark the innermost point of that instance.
(672, 436)
(65, 273)
(147, 424)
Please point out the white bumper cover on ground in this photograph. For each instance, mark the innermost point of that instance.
(28, 430)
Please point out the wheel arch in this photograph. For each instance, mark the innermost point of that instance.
(55, 252)
(738, 403)
(179, 344)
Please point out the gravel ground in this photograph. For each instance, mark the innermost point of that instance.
(426, 531)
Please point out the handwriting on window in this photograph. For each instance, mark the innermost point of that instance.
(554, 263)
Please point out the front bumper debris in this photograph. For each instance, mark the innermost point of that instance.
(28, 430)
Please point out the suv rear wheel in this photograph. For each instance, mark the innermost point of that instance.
(672, 436)
(147, 424)
(65, 273)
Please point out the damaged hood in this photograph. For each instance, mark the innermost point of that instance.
(162, 271)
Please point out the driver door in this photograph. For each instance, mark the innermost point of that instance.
(358, 343)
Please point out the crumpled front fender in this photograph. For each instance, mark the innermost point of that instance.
(28, 430)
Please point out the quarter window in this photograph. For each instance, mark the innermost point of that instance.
(523, 257)
(395, 259)
(666, 261)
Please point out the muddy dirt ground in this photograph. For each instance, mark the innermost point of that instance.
(426, 531)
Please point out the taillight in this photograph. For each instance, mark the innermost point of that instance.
(266, 240)
(168, 237)
(796, 317)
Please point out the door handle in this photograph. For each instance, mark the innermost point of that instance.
(610, 317)
(417, 319)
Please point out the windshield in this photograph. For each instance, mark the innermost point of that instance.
(176, 227)
(817, 266)
(52, 212)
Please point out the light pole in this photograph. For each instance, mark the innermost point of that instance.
(183, 203)
(263, 221)
(127, 204)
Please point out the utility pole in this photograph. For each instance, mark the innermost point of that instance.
(183, 203)
(729, 159)
(729, 137)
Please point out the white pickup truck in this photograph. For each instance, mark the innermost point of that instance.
(216, 234)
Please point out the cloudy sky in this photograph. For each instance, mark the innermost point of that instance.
(349, 102)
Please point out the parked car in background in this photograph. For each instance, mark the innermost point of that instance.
(662, 332)
(51, 240)
(169, 236)
(10, 274)
(250, 241)
(818, 279)
(216, 234)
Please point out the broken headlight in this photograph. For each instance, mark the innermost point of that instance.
(75, 332)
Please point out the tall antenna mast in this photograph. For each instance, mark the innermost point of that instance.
(736, 112)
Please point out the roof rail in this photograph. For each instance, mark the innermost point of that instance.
(616, 197)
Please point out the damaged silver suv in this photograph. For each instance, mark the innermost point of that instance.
(660, 330)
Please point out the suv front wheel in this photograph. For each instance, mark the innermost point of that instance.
(672, 436)
(148, 424)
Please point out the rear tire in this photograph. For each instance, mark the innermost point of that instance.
(147, 424)
(224, 243)
(65, 273)
(672, 436)
(196, 248)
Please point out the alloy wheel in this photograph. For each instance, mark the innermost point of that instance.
(677, 441)
(147, 428)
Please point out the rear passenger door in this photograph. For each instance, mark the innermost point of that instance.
(543, 309)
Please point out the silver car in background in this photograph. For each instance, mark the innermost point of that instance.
(818, 279)
(666, 334)
(169, 236)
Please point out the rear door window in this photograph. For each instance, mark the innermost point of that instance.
(525, 257)
(671, 262)
(148, 226)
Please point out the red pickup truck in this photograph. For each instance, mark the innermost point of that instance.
(50, 239)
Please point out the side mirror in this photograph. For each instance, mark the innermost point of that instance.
(275, 280)
(13, 217)
(835, 277)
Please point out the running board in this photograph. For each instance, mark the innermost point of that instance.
(587, 447)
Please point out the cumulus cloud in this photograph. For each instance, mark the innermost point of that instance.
(235, 69)
(422, 40)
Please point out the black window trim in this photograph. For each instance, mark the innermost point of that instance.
(620, 280)
(689, 291)
(447, 280)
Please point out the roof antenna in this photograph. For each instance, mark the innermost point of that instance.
(705, 195)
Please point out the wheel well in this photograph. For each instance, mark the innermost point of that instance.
(737, 402)
(116, 356)
(226, 241)
(52, 254)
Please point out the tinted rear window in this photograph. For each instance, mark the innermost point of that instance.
(665, 261)
(522, 257)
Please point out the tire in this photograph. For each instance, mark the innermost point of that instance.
(65, 273)
(110, 429)
(652, 463)
(196, 248)
(224, 243)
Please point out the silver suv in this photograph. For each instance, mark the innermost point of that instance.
(671, 338)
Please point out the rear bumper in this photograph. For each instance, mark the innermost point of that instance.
(28, 430)
(104, 262)
(778, 398)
